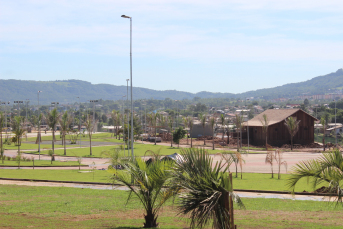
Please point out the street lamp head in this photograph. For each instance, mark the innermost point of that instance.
(124, 16)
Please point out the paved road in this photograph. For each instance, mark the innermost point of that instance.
(254, 163)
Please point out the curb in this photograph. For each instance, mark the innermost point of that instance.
(45, 166)
(237, 190)
(56, 181)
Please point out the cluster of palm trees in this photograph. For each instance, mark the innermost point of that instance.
(202, 187)
(52, 118)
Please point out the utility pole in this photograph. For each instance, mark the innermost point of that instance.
(93, 101)
(128, 120)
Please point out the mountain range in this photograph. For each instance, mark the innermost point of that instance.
(68, 90)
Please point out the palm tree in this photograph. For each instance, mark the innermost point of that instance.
(212, 122)
(202, 118)
(39, 121)
(185, 123)
(238, 124)
(150, 180)
(52, 119)
(323, 122)
(222, 121)
(115, 116)
(205, 189)
(190, 124)
(278, 158)
(226, 156)
(18, 130)
(170, 124)
(2, 118)
(270, 160)
(292, 125)
(114, 156)
(327, 169)
(237, 158)
(90, 127)
(119, 119)
(265, 123)
(65, 122)
(162, 120)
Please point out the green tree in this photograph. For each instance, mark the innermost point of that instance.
(292, 125)
(52, 120)
(327, 169)
(178, 135)
(212, 123)
(149, 189)
(190, 124)
(203, 189)
(323, 122)
(185, 123)
(65, 122)
(90, 125)
(170, 124)
(18, 130)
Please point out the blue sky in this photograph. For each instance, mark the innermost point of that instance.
(190, 45)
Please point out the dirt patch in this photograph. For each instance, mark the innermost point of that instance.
(319, 217)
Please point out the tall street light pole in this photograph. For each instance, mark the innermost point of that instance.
(128, 120)
(38, 124)
(123, 110)
(93, 101)
(124, 16)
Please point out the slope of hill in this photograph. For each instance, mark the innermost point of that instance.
(67, 91)
(317, 85)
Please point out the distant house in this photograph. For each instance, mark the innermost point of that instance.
(277, 131)
(338, 129)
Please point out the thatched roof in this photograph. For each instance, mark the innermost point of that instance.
(274, 116)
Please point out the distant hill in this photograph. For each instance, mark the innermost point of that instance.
(67, 90)
(317, 85)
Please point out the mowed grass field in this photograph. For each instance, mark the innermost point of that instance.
(250, 181)
(60, 207)
(39, 163)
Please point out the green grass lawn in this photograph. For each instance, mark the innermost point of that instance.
(250, 181)
(60, 207)
(139, 150)
(105, 137)
(319, 138)
(56, 174)
(38, 163)
(28, 146)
